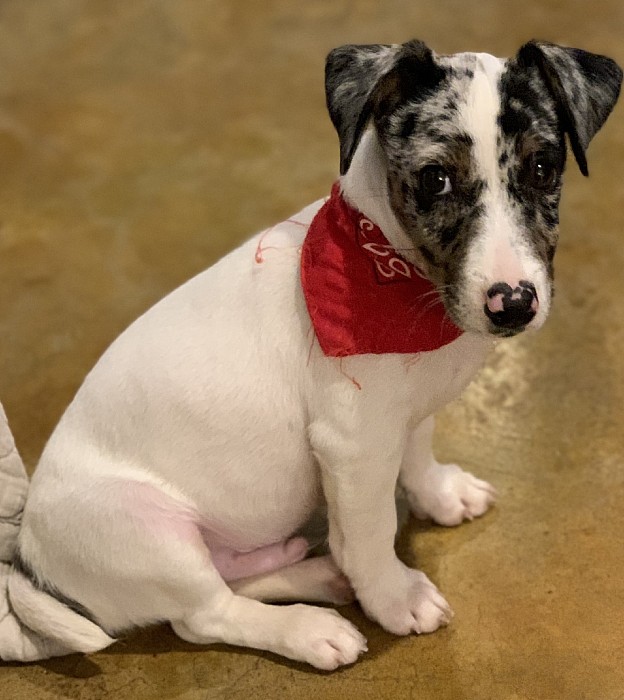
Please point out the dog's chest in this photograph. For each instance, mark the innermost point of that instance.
(436, 378)
(419, 384)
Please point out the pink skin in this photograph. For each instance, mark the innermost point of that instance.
(495, 303)
(160, 513)
(234, 565)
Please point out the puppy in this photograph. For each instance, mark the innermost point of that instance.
(276, 382)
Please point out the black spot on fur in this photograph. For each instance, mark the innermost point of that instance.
(514, 122)
(449, 233)
(407, 129)
(550, 216)
(414, 78)
(24, 568)
(550, 253)
(427, 254)
(464, 138)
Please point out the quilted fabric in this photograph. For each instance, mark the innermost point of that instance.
(13, 489)
(17, 642)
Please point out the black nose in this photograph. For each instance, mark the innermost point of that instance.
(511, 308)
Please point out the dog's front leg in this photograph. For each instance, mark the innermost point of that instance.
(443, 492)
(359, 474)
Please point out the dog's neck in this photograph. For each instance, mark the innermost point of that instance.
(365, 187)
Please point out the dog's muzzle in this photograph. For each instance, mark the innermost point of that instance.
(511, 308)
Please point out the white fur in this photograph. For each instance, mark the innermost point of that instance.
(499, 253)
(53, 620)
(217, 408)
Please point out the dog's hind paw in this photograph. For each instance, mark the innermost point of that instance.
(449, 495)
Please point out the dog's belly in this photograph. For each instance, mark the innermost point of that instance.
(257, 492)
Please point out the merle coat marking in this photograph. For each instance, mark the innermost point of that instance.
(417, 102)
(211, 431)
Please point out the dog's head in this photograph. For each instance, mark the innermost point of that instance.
(474, 151)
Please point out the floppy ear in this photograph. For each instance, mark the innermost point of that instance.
(366, 81)
(585, 87)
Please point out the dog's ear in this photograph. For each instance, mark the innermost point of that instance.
(585, 87)
(368, 81)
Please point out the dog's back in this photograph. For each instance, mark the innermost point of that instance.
(182, 403)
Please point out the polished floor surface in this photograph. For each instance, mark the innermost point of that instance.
(141, 140)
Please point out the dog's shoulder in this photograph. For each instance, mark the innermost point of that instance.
(286, 235)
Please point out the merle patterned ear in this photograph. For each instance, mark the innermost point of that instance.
(362, 81)
(585, 87)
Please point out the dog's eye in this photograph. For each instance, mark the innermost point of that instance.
(435, 181)
(542, 172)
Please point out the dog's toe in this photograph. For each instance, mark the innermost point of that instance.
(416, 606)
(450, 495)
(324, 639)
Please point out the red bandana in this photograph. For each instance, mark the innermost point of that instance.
(361, 295)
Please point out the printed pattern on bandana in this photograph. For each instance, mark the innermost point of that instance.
(362, 296)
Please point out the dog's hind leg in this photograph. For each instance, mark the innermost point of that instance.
(210, 612)
(202, 609)
(216, 613)
(140, 558)
(443, 492)
(313, 580)
(318, 636)
(153, 565)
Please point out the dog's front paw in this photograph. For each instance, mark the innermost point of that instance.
(449, 495)
(322, 638)
(409, 605)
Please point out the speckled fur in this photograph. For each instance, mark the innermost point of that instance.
(419, 101)
(167, 478)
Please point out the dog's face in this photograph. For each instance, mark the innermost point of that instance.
(475, 150)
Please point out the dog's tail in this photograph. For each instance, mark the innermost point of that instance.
(33, 624)
(37, 626)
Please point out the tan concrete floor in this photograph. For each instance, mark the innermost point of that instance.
(141, 140)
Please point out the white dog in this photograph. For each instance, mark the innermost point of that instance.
(213, 428)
